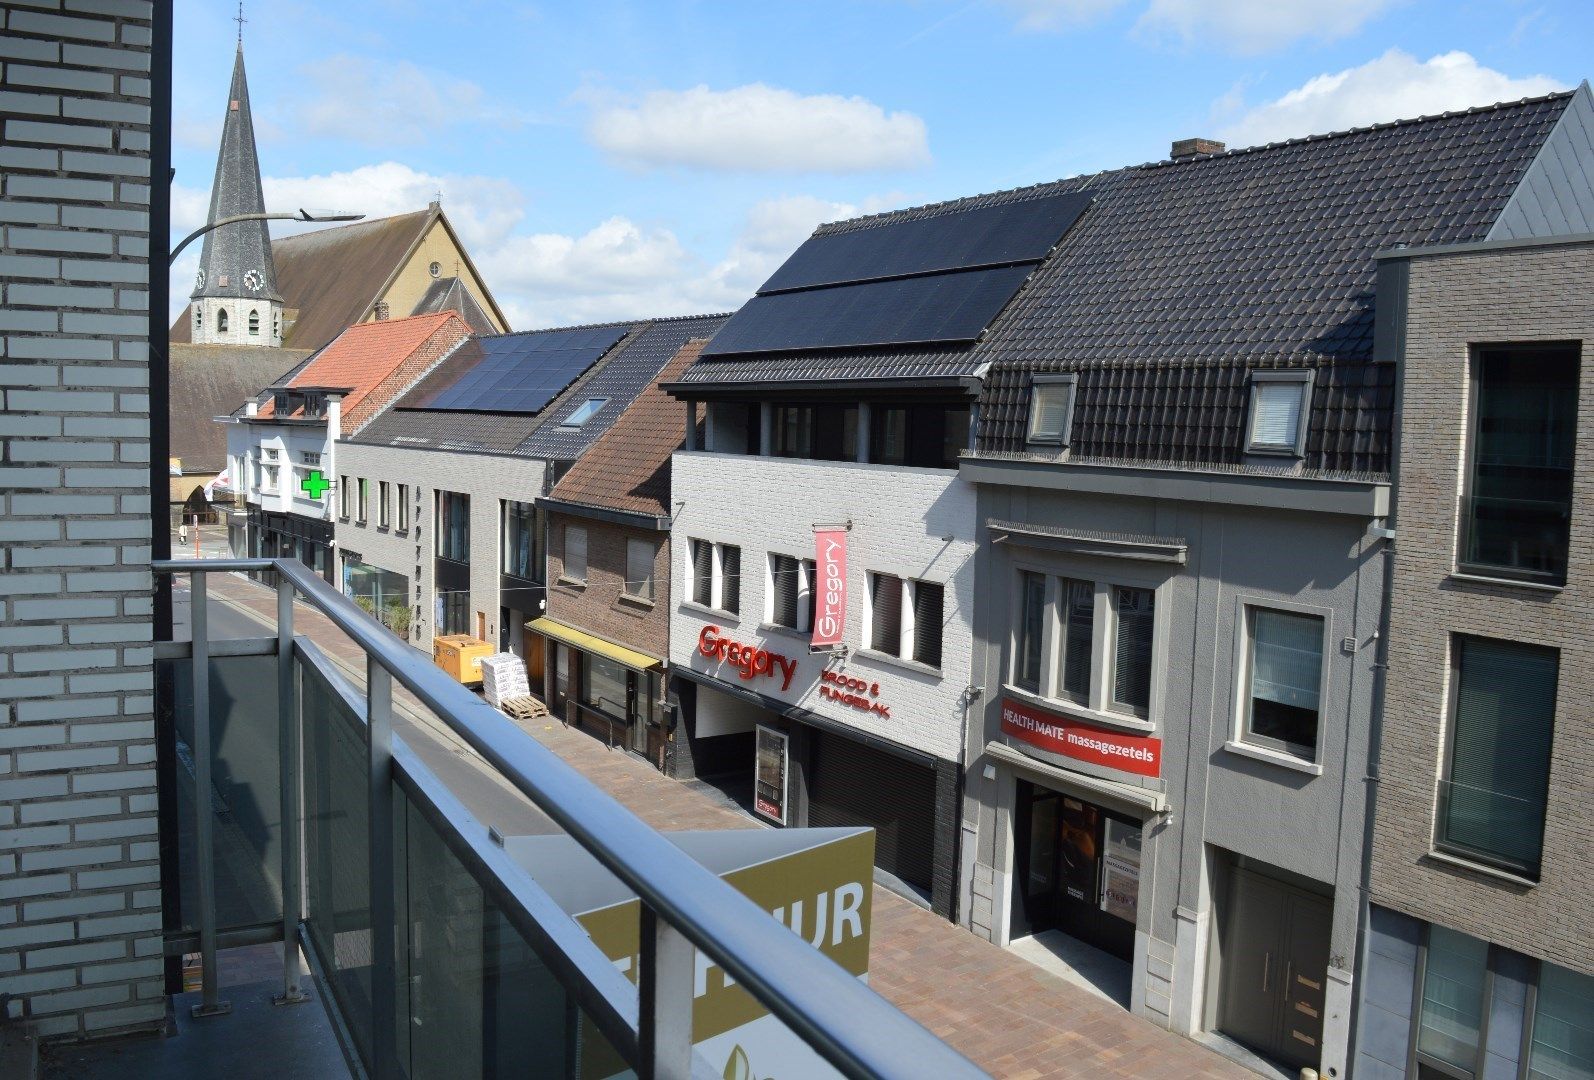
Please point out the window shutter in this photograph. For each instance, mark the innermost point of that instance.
(885, 614)
(805, 595)
(1132, 665)
(1277, 415)
(928, 600)
(730, 578)
(1287, 658)
(702, 572)
(783, 571)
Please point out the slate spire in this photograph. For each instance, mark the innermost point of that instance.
(235, 263)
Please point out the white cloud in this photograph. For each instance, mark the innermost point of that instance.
(756, 128)
(1056, 14)
(1395, 86)
(387, 103)
(1253, 26)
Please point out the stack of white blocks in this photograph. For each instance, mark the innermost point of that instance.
(503, 677)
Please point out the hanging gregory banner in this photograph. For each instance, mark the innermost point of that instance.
(830, 586)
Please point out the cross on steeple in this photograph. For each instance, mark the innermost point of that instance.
(240, 20)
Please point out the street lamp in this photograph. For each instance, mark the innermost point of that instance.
(301, 215)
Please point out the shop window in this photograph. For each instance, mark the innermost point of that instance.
(1492, 796)
(1279, 401)
(254, 322)
(523, 531)
(605, 686)
(1563, 1025)
(1517, 504)
(905, 618)
(453, 526)
(403, 507)
(1450, 1017)
(361, 499)
(1284, 665)
(454, 611)
(789, 596)
(816, 432)
(343, 497)
(383, 516)
(921, 436)
(575, 549)
(1057, 650)
(639, 558)
(1051, 409)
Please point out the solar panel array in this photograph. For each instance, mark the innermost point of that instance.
(512, 373)
(924, 280)
(985, 236)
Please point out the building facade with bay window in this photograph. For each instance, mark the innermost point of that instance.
(1480, 954)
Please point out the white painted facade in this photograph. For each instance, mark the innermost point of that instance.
(909, 522)
(268, 462)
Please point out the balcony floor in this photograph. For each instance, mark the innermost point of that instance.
(257, 1040)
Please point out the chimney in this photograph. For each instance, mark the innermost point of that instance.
(251, 408)
(1189, 148)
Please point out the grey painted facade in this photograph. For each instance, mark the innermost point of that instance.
(1534, 928)
(80, 877)
(1211, 545)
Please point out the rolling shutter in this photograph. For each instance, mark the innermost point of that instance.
(702, 572)
(928, 601)
(853, 784)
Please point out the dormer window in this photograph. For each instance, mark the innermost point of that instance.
(1051, 409)
(1280, 401)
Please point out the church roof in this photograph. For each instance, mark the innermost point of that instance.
(236, 259)
(216, 380)
(450, 294)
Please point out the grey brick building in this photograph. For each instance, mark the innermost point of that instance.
(1481, 953)
(84, 103)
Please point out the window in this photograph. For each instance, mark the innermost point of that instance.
(729, 579)
(733, 427)
(199, 321)
(817, 432)
(453, 526)
(1517, 505)
(276, 324)
(343, 496)
(271, 453)
(361, 500)
(221, 320)
(702, 572)
(905, 618)
(1057, 651)
(523, 555)
(382, 312)
(929, 600)
(383, 518)
(1451, 1013)
(789, 583)
(254, 322)
(435, 269)
(885, 614)
(575, 553)
(922, 436)
(1563, 1025)
(1051, 409)
(1285, 668)
(1491, 800)
(1278, 402)
(403, 507)
(584, 412)
(268, 478)
(605, 686)
(639, 557)
(454, 611)
(309, 457)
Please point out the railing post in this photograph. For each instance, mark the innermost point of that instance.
(288, 766)
(209, 1004)
(665, 1000)
(384, 999)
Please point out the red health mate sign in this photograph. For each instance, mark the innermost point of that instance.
(830, 586)
(1139, 754)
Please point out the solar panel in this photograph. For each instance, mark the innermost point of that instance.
(955, 306)
(985, 236)
(512, 373)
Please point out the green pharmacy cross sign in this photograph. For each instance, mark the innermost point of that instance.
(315, 485)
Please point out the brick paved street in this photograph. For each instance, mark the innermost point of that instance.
(1010, 1017)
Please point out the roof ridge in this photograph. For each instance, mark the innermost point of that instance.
(1085, 179)
(445, 313)
(637, 323)
(343, 228)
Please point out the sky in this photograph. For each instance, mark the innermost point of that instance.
(612, 160)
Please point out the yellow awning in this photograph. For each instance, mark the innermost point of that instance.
(592, 643)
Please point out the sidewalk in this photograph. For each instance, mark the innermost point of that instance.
(1007, 1015)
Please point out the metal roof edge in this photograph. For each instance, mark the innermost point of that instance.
(614, 516)
(1427, 251)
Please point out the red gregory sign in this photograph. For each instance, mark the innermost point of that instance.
(830, 587)
(1140, 754)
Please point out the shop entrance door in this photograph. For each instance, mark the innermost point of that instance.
(1079, 866)
(1274, 966)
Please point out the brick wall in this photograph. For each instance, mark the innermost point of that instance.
(602, 606)
(1543, 293)
(80, 906)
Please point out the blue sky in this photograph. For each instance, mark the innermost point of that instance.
(616, 160)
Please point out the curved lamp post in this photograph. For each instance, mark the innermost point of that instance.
(301, 215)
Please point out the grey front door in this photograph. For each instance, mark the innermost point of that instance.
(1275, 960)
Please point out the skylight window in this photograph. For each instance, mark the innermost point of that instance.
(1278, 409)
(584, 412)
(1051, 409)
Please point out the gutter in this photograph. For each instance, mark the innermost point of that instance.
(632, 518)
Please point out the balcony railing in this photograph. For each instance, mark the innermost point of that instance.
(438, 954)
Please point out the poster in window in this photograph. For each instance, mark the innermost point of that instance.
(1078, 847)
(769, 780)
(1120, 866)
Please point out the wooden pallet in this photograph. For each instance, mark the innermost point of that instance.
(523, 708)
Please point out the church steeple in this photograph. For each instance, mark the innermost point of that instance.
(235, 298)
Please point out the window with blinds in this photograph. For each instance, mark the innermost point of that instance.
(1031, 629)
(885, 614)
(1131, 667)
(575, 567)
(639, 556)
(702, 573)
(403, 507)
(1276, 408)
(730, 578)
(1491, 800)
(1051, 408)
(1285, 665)
(929, 600)
(1079, 619)
(786, 588)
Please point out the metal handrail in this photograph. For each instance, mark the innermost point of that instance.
(843, 1020)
